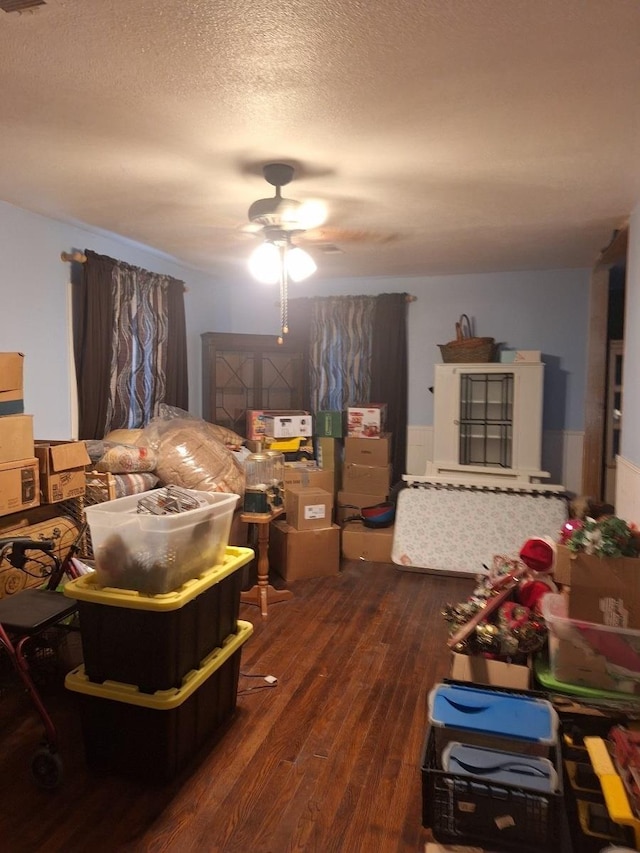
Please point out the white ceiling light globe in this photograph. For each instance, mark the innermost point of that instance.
(300, 264)
(264, 263)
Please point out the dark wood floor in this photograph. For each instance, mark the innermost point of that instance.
(326, 761)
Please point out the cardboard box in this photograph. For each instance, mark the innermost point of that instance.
(11, 372)
(605, 590)
(350, 503)
(366, 421)
(287, 426)
(364, 451)
(11, 393)
(308, 508)
(255, 427)
(329, 424)
(329, 453)
(16, 438)
(297, 554)
(62, 469)
(562, 570)
(366, 543)
(365, 479)
(308, 475)
(19, 485)
(496, 673)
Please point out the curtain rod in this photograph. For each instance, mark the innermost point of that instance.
(77, 257)
(80, 258)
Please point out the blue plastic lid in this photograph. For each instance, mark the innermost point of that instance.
(500, 767)
(508, 715)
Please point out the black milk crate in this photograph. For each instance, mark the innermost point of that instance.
(470, 811)
(153, 641)
(154, 736)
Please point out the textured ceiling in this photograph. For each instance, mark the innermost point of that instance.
(445, 135)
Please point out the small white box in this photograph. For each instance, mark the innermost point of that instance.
(527, 355)
(288, 426)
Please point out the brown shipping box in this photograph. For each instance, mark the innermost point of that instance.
(562, 568)
(297, 554)
(16, 438)
(307, 476)
(497, 673)
(605, 590)
(350, 503)
(11, 391)
(365, 479)
(366, 451)
(62, 469)
(308, 508)
(19, 485)
(366, 543)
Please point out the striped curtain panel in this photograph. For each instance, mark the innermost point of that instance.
(139, 347)
(130, 344)
(340, 351)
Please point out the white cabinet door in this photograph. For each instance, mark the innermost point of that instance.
(488, 418)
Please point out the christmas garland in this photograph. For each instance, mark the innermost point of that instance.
(605, 537)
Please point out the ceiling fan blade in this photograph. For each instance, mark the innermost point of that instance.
(330, 234)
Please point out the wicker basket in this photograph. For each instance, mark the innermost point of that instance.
(465, 348)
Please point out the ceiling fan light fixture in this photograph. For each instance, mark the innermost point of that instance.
(265, 263)
(300, 264)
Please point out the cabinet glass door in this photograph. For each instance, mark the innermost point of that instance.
(486, 419)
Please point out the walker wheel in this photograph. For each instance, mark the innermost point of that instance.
(46, 768)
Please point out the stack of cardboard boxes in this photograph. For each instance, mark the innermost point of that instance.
(307, 543)
(32, 472)
(19, 473)
(366, 479)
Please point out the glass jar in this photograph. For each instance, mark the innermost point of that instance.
(264, 483)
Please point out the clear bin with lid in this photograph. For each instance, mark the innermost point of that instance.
(158, 553)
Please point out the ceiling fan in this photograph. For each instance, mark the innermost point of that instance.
(300, 222)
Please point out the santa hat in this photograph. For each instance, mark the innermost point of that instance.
(539, 554)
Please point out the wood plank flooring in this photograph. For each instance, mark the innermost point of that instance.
(328, 760)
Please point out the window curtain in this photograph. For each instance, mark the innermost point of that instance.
(130, 345)
(389, 371)
(358, 354)
(340, 351)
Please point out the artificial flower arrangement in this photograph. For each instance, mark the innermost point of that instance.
(608, 536)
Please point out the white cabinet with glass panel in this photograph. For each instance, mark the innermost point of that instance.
(488, 421)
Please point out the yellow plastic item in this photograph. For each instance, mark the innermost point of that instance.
(161, 700)
(85, 588)
(615, 795)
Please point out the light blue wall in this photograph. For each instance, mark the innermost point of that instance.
(528, 310)
(545, 311)
(34, 285)
(630, 441)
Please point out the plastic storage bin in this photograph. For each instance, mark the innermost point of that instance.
(500, 719)
(491, 813)
(152, 737)
(589, 654)
(153, 641)
(158, 553)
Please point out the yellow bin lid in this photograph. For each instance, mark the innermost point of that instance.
(85, 588)
(161, 700)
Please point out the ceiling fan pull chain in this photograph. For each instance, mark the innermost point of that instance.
(284, 296)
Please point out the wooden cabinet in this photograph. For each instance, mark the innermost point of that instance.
(488, 420)
(241, 372)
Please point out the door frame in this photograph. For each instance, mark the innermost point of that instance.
(595, 402)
